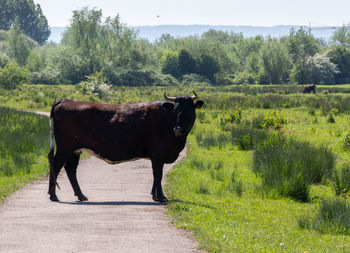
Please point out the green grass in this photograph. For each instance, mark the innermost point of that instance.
(24, 142)
(229, 210)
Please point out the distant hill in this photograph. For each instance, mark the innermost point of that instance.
(154, 32)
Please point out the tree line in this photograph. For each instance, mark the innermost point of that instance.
(110, 48)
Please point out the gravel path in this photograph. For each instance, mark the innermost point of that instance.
(120, 215)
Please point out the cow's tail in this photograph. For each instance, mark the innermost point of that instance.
(52, 143)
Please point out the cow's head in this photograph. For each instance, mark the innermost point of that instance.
(185, 113)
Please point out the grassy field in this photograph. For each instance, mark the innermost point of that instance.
(218, 195)
(24, 143)
(267, 168)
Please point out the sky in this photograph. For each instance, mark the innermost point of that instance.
(206, 12)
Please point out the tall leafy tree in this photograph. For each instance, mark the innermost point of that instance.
(275, 60)
(30, 17)
(340, 56)
(301, 42)
(187, 63)
(18, 46)
(341, 36)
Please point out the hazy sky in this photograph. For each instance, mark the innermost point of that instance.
(208, 12)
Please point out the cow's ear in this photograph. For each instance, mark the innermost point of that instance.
(169, 106)
(199, 103)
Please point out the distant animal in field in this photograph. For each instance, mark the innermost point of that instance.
(309, 88)
(155, 130)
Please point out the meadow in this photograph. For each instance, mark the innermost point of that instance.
(267, 168)
(23, 147)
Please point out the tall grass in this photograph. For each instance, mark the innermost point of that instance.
(342, 179)
(332, 216)
(23, 137)
(290, 166)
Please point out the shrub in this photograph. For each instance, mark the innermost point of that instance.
(227, 119)
(274, 121)
(95, 85)
(13, 75)
(288, 167)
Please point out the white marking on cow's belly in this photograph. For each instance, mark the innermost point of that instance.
(90, 152)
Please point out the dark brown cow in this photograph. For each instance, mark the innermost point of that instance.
(309, 88)
(155, 130)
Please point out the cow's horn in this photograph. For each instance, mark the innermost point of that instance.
(169, 98)
(195, 96)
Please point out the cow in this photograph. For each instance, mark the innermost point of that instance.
(309, 88)
(155, 130)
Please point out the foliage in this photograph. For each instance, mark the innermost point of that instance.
(29, 16)
(273, 120)
(341, 36)
(169, 63)
(340, 56)
(227, 119)
(18, 46)
(275, 61)
(301, 43)
(13, 75)
(95, 85)
(186, 62)
(322, 69)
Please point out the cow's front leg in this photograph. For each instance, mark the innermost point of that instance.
(157, 191)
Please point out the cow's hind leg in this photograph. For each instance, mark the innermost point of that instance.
(71, 169)
(56, 164)
(157, 191)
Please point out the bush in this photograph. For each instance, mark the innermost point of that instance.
(288, 166)
(13, 75)
(95, 85)
(274, 121)
(232, 116)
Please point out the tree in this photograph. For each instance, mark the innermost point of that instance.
(340, 56)
(30, 17)
(18, 46)
(341, 36)
(275, 60)
(301, 42)
(187, 64)
(301, 71)
(322, 69)
(83, 35)
(317, 69)
(170, 64)
(208, 66)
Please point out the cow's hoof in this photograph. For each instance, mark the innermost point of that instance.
(54, 198)
(160, 198)
(82, 197)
